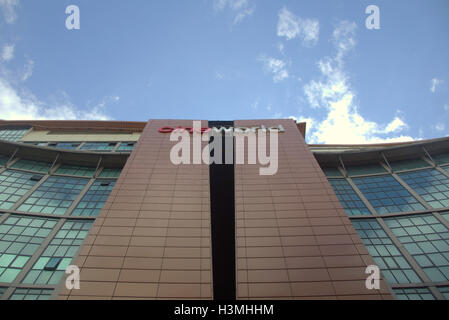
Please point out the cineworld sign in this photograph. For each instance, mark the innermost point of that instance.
(220, 149)
(278, 128)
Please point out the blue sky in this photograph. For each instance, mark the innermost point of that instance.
(232, 59)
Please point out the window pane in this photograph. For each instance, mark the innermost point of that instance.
(350, 201)
(20, 237)
(427, 240)
(126, 146)
(64, 246)
(332, 172)
(99, 146)
(14, 185)
(32, 165)
(54, 196)
(3, 160)
(413, 294)
(365, 169)
(93, 201)
(408, 164)
(387, 195)
(444, 291)
(12, 134)
(429, 184)
(441, 159)
(31, 294)
(386, 255)
(64, 145)
(110, 173)
(76, 170)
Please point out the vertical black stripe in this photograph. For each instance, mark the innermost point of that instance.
(222, 209)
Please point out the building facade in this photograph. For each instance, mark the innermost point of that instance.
(105, 197)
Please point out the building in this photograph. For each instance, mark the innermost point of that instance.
(105, 197)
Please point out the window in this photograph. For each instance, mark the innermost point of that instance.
(441, 159)
(427, 240)
(2, 291)
(350, 201)
(50, 267)
(54, 196)
(387, 195)
(13, 186)
(20, 237)
(332, 172)
(430, 184)
(3, 160)
(76, 170)
(40, 144)
(52, 264)
(365, 169)
(32, 165)
(126, 146)
(31, 294)
(386, 255)
(12, 134)
(93, 201)
(444, 291)
(408, 164)
(99, 146)
(445, 215)
(413, 294)
(110, 173)
(64, 145)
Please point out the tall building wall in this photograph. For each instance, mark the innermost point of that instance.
(152, 239)
(203, 231)
(294, 239)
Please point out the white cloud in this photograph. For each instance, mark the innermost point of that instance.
(440, 127)
(15, 105)
(333, 93)
(434, 83)
(290, 26)
(7, 52)
(27, 70)
(275, 66)
(240, 8)
(9, 10)
(395, 126)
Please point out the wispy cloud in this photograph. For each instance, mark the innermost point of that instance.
(290, 26)
(240, 8)
(8, 8)
(440, 127)
(21, 105)
(333, 93)
(27, 70)
(18, 103)
(7, 52)
(434, 83)
(277, 67)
